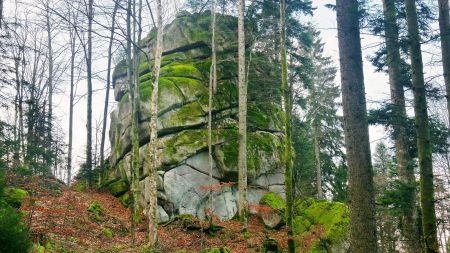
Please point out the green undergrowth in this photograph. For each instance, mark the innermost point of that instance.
(95, 210)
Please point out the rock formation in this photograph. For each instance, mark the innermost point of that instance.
(183, 166)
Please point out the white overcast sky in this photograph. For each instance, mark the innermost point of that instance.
(377, 87)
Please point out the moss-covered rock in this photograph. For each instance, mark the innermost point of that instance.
(272, 210)
(118, 188)
(274, 201)
(320, 217)
(125, 199)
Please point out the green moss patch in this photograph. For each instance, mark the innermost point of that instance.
(95, 211)
(125, 199)
(108, 233)
(181, 70)
(15, 196)
(273, 200)
(118, 188)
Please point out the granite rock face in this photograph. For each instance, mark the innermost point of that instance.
(183, 165)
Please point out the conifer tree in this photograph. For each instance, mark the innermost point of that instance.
(286, 94)
(423, 132)
(404, 161)
(360, 182)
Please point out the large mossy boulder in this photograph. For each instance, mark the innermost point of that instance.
(320, 226)
(183, 164)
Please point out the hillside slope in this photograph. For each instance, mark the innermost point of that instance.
(66, 220)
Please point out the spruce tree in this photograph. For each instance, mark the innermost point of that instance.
(360, 182)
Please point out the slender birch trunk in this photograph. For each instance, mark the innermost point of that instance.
(152, 158)
(363, 237)
(405, 165)
(423, 132)
(211, 89)
(242, 202)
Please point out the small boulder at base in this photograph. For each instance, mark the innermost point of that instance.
(271, 210)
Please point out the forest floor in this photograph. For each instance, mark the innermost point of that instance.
(60, 221)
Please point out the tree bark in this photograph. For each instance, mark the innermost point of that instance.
(131, 94)
(360, 175)
(422, 131)
(152, 158)
(89, 95)
(405, 164)
(133, 68)
(287, 104)
(444, 27)
(211, 90)
(71, 104)
(242, 159)
(50, 87)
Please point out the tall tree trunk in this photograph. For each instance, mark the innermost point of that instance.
(444, 27)
(49, 143)
(89, 95)
(211, 90)
(360, 175)
(71, 104)
(133, 68)
(318, 165)
(242, 159)
(108, 86)
(422, 131)
(286, 91)
(152, 158)
(405, 165)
